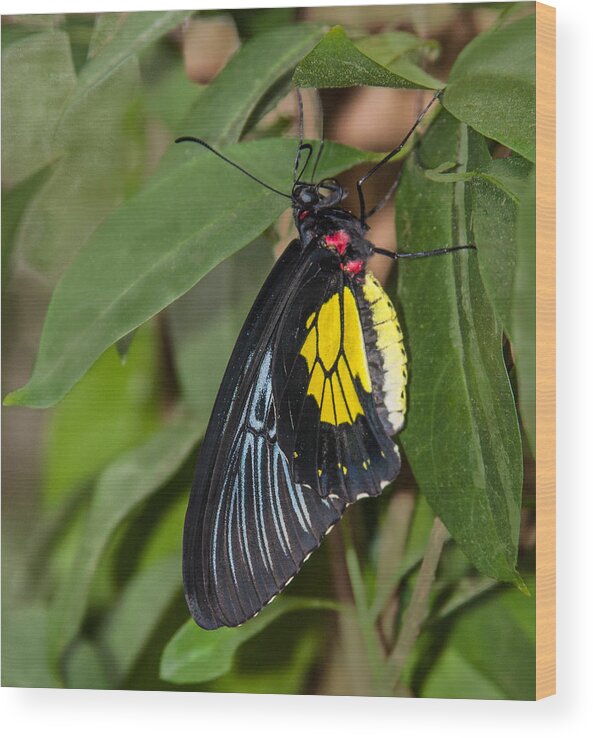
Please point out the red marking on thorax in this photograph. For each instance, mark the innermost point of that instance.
(354, 266)
(303, 214)
(339, 239)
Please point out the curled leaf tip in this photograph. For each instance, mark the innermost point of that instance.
(521, 586)
(12, 398)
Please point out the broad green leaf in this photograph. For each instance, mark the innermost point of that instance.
(493, 640)
(171, 97)
(37, 78)
(206, 321)
(491, 86)
(453, 677)
(23, 647)
(398, 52)
(100, 165)
(15, 201)
(137, 31)
(283, 671)
(104, 31)
(254, 21)
(256, 74)
(128, 481)
(508, 174)
(158, 245)
(195, 655)
(523, 318)
(495, 193)
(140, 606)
(85, 667)
(112, 409)
(79, 27)
(337, 62)
(136, 613)
(16, 27)
(461, 436)
(390, 47)
(124, 344)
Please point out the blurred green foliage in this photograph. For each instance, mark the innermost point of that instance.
(158, 251)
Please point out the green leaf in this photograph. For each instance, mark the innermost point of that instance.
(285, 671)
(135, 33)
(258, 70)
(337, 62)
(492, 85)
(390, 47)
(37, 78)
(112, 409)
(253, 21)
(508, 174)
(137, 611)
(15, 201)
(172, 96)
(206, 321)
(16, 27)
(454, 677)
(492, 641)
(85, 667)
(495, 192)
(195, 655)
(24, 646)
(104, 31)
(461, 437)
(158, 245)
(128, 481)
(101, 163)
(523, 318)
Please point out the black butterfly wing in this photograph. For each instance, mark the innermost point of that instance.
(249, 526)
(328, 378)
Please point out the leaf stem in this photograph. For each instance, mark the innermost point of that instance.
(390, 558)
(416, 611)
(366, 624)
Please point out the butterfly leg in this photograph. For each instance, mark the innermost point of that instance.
(421, 254)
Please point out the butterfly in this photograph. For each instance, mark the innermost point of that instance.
(304, 420)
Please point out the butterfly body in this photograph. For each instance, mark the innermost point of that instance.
(314, 391)
(302, 424)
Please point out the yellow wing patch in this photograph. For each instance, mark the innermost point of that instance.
(335, 354)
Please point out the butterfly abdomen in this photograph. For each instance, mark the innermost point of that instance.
(386, 354)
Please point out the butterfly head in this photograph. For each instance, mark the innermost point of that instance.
(310, 199)
(320, 219)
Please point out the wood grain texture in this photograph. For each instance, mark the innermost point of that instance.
(546, 351)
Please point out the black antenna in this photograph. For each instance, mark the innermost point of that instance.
(297, 160)
(319, 113)
(303, 147)
(232, 163)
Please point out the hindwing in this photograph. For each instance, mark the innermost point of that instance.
(328, 421)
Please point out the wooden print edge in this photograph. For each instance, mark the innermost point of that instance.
(545, 351)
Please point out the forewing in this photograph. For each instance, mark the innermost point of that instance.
(249, 526)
